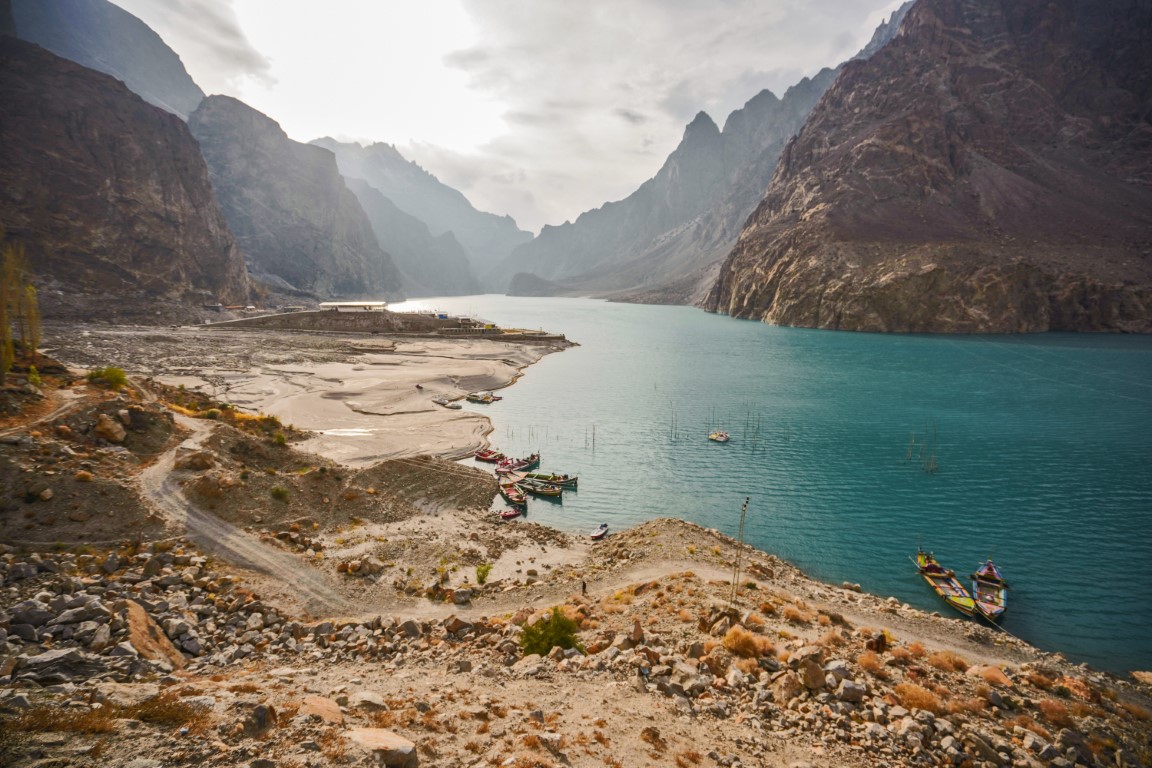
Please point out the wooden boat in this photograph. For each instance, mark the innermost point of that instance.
(944, 583)
(990, 591)
(540, 488)
(600, 532)
(444, 401)
(492, 456)
(513, 494)
(482, 397)
(508, 514)
(518, 465)
(564, 481)
(719, 437)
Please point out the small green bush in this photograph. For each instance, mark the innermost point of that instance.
(280, 439)
(280, 493)
(555, 631)
(212, 413)
(33, 376)
(112, 376)
(482, 572)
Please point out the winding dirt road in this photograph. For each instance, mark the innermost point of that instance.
(160, 485)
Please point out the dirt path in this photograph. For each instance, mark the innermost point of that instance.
(160, 485)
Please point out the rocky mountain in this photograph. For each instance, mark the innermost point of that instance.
(486, 238)
(990, 170)
(289, 207)
(109, 195)
(106, 38)
(663, 243)
(429, 266)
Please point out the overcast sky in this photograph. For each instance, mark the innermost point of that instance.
(540, 109)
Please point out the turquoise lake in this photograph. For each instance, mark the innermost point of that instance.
(1043, 448)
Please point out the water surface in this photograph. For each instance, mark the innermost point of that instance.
(1042, 447)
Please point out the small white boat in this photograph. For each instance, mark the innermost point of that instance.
(719, 437)
(600, 532)
(447, 403)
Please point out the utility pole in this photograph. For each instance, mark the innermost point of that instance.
(739, 555)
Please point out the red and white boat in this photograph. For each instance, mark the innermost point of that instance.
(518, 465)
(491, 455)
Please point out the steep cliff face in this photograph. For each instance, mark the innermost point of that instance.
(109, 194)
(990, 170)
(486, 237)
(429, 266)
(663, 244)
(103, 37)
(288, 206)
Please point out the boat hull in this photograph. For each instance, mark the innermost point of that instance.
(945, 584)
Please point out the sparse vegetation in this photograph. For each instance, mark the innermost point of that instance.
(280, 493)
(482, 572)
(111, 377)
(913, 696)
(555, 631)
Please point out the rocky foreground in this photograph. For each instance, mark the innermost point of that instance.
(195, 591)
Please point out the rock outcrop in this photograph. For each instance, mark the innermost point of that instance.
(108, 194)
(664, 242)
(487, 238)
(101, 36)
(987, 171)
(429, 266)
(288, 206)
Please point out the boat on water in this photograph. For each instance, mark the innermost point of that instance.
(944, 583)
(540, 488)
(509, 465)
(508, 514)
(719, 437)
(600, 532)
(491, 455)
(555, 478)
(513, 494)
(482, 397)
(990, 591)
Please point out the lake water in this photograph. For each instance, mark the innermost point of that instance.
(1043, 448)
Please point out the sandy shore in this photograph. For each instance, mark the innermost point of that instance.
(359, 395)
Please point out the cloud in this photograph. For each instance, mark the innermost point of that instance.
(208, 37)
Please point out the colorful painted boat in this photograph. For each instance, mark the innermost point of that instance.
(540, 488)
(719, 437)
(509, 514)
(518, 465)
(600, 532)
(492, 456)
(944, 583)
(513, 494)
(990, 591)
(482, 397)
(564, 481)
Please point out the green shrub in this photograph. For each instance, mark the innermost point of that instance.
(33, 376)
(280, 493)
(280, 439)
(482, 572)
(112, 376)
(212, 413)
(555, 631)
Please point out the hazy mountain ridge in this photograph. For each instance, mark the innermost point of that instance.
(288, 205)
(663, 243)
(134, 217)
(429, 266)
(986, 171)
(104, 37)
(486, 237)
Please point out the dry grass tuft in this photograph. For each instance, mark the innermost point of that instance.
(652, 736)
(687, 758)
(1135, 710)
(913, 696)
(869, 661)
(917, 650)
(743, 643)
(1043, 682)
(795, 615)
(901, 654)
(948, 661)
(1029, 724)
(1055, 713)
(833, 638)
(971, 705)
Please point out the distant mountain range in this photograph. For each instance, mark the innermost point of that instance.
(663, 243)
(978, 167)
(487, 238)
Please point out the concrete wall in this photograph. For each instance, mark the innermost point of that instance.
(344, 322)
